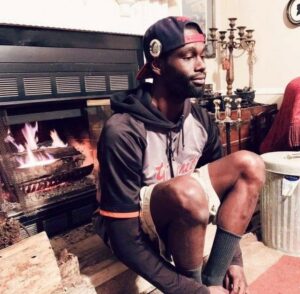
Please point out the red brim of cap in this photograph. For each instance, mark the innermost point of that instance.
(145, 72)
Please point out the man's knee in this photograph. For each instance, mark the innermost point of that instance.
(252, 168)
(190, 200)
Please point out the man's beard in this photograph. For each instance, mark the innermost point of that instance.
(181, 86)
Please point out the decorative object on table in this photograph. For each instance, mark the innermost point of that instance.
(207, 100)
(208, 89)
(293, 11)
(247, 96)
(228, 122)
(238, 102)
(217, 109)
(243, 42)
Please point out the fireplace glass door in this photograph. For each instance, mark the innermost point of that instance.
(48, 161)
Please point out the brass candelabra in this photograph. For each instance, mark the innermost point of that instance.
(244, 41)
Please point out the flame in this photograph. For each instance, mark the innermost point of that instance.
(29, 133)
(32, 160)
(56, 141)
(39, 157)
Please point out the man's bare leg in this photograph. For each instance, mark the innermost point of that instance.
(237, 179)
(180, 213)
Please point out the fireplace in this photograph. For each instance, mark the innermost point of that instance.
(55, 87)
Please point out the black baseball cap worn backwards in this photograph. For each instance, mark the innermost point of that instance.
(165, 35)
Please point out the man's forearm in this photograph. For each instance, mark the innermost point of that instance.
(129, 244)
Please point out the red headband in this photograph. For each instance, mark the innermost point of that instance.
(194, 38)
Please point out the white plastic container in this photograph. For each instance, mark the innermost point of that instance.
(280, 202)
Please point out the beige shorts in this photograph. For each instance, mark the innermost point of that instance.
(202, 176)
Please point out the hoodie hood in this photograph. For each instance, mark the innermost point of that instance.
(137, 102)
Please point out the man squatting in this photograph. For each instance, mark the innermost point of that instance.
(163, 177)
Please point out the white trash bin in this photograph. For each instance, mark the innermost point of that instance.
(280, 202)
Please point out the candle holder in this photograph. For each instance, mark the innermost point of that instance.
(227, 43)
(227, 122)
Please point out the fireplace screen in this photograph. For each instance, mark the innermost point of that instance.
(49, 157)
(55, 86)
(48, 160)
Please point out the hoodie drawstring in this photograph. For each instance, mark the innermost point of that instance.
(182, 131)
(170, 151)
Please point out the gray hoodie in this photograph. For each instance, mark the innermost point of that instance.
(139, 146)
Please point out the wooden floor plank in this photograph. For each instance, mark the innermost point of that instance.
(29, 266)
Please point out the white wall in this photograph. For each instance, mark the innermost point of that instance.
(277, 48)
(96, 15)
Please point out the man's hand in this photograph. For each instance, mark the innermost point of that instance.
(235, 280)
(217, 290)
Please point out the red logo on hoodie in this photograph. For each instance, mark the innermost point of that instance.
(161, 172)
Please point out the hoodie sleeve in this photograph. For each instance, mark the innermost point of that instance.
(130, 245)
(120, 152)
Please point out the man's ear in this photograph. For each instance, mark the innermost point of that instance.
(157, 65)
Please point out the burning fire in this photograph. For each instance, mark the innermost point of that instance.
(39, 158)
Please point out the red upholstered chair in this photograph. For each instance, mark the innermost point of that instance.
(284, 134)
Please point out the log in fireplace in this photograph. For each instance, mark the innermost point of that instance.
(55, 87)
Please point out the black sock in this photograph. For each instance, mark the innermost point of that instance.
(220, 257)
(193, 273)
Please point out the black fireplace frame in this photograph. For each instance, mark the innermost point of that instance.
(34, 62)
(45, 67)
